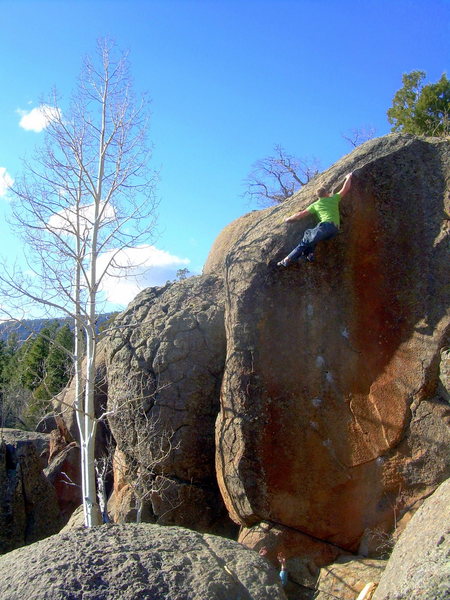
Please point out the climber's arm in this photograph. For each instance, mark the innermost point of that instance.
(297, 217)
(347, 185)
(282, 560)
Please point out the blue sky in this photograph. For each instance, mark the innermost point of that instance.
(228, 80)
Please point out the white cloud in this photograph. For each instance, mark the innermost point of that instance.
(131, 269)
(64, 220)
(139, 268)
(6, 181)
(38, 118)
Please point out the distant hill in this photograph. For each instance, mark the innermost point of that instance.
(27, 327)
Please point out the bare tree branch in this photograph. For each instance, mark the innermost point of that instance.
(147, 442)
(358, 136)
(276, 178)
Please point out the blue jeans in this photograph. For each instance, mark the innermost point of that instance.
(322, 231)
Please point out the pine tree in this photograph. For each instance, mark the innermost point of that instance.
(10, 349)
(421, 109)
(58, 365)
(32, 366)
(3, 363)
(15, 398)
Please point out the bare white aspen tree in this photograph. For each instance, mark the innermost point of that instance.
(83, 202)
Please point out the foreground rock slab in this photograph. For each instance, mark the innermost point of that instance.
(134, 562)
(419, 565)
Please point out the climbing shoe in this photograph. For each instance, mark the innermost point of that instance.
(283, 263)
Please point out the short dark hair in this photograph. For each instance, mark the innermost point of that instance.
(322, 192)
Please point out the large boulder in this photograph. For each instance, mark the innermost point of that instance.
(332, 423)
(226, 240)
(18, 438)
(419, 565)
(28, 506)
(165, 361)
(333, 376)
(137, 562)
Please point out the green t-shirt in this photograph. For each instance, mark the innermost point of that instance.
(327, 209)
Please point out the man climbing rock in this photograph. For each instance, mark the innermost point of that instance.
(283, 569)
(326, 210)
(282, 560)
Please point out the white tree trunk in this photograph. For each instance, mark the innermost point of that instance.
(91, 510)
(92, 513)
(139, 506)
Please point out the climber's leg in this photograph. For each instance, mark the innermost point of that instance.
(299, 251)
(311, 237)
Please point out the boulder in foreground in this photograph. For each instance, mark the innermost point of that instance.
(419, 565)
(137, 562)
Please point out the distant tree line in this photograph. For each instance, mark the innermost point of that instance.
(32, 373)
(35, 369)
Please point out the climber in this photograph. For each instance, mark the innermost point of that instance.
(283, 570)
(282, 560)
(326, 209)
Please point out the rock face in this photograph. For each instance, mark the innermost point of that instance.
(64, 474)
(19, 438)
(346, 578)
(226, 239)
(165, 364)
(28, 506)
(419, 565)
(305, 555)
(137, 562)
(320, 391)
(331, 423)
